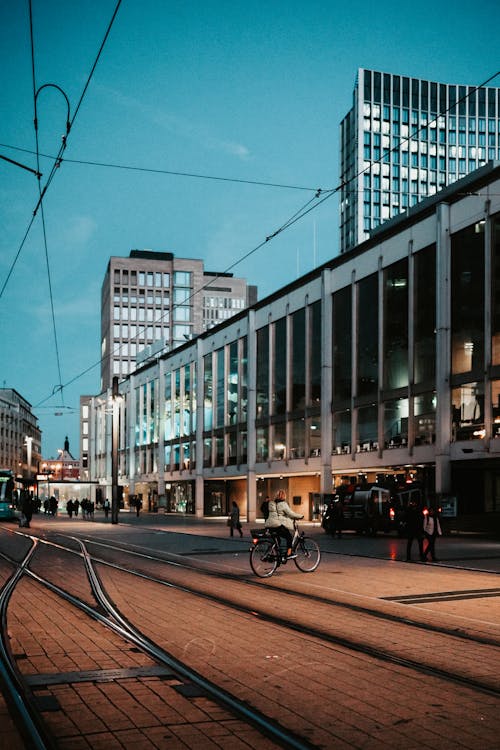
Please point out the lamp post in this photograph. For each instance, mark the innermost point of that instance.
(114, 450)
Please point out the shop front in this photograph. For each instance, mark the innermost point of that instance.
(179, 497)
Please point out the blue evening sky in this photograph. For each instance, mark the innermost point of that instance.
(253, 91)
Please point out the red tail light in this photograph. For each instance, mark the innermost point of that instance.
(392, 514)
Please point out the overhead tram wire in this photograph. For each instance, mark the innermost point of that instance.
(320, 197)
(42, 211)
(173, 173)
(58, 158)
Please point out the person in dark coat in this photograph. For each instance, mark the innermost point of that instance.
(414, 530)
(337, 521)
(138, 506)
(234, 518)
(26, 509)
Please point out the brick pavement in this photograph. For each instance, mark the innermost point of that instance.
(362, 719)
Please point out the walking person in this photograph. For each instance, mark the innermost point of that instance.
(281, 518)
(338, 518)
(106, 507)
(432, 529)
(234, 519)
(26, 509)
(138, 505)
(414, 530)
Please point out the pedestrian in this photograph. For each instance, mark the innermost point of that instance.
(70, 508)
(414, 531)
(264, 507)
(281, 518)
(337, 518)
(234, 519)
(432, 529)
(53, 505)
(76, 506)
(138, 506)
(26, 509)
(106, 507)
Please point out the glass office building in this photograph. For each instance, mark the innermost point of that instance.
(404, 140)
(382, 364)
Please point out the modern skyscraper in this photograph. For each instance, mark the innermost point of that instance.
(406, 138)
(154, 301)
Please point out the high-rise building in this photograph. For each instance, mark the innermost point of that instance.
(154, 301)
(406, 138)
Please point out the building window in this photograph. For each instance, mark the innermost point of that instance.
(367, 350)
(467, 403)
(424, 418)
(396, 325)
(467, 299)
(182, 278)
(262, 384)
(298, 395)
(279, 367)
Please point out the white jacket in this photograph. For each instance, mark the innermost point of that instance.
(280, 514)
(432, 526)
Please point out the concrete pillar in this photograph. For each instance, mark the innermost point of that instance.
(251, 413)
(326, 381)
(199, 482)
(443, 348)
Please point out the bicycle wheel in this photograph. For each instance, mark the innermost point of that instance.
(308, 555)
(263, 560)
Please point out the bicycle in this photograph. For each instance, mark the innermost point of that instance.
(266, 554)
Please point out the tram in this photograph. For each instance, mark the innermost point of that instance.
(7, 503)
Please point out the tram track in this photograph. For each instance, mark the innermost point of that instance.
(321, 633)
(180, 562)
(31, 722)
(119, 616)
(291, 623)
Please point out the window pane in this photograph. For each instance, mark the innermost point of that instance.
(424, 321)
(467, 299)
(279, 367)
(368, 336)
(342, 345)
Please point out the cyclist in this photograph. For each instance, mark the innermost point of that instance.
(281, 518)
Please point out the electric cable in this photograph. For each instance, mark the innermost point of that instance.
(58, 158)
(174, 173)
(42, 212)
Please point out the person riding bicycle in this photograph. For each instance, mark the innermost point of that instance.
(281, 518)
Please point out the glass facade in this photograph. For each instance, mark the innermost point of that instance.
(418, 136)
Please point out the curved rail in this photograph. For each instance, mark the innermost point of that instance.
(28, 720)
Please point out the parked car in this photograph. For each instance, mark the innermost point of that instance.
(368, 511)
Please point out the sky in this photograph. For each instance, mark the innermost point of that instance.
(250, 91)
